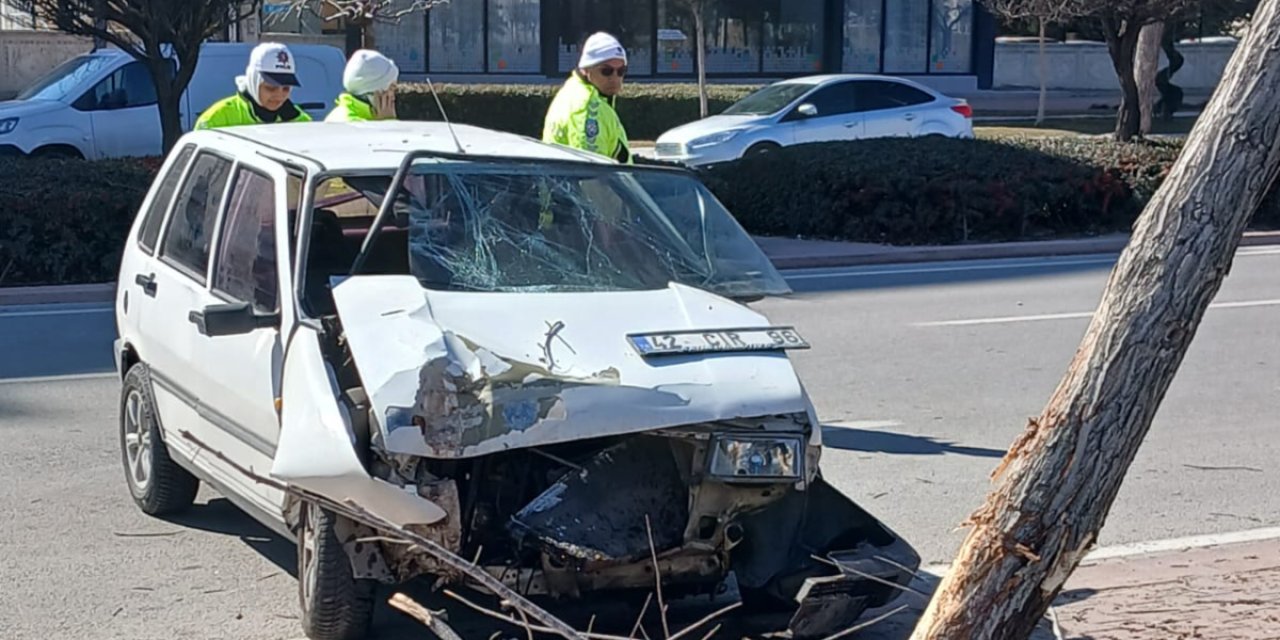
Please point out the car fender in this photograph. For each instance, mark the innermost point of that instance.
(316, 451)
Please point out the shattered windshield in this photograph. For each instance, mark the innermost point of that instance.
(488, 226)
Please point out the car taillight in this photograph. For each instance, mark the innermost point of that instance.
(963, 109)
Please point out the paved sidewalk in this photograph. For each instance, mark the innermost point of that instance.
(1223, 592)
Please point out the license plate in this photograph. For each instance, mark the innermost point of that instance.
(717, 341)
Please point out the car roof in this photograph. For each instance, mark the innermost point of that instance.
(365, 146)
(840, 77)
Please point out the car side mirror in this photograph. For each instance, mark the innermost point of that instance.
(807, 110)
(232, 319)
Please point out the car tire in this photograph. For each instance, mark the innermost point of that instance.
(157, 484)
(760, 149)
(58, 152)
(335, 605)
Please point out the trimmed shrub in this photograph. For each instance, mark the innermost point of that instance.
(63, 221)
(941, 190)
(647, 110)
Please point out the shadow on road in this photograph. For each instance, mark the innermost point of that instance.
(852, 439)
(220, 516)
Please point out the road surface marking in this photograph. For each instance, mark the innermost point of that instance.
(1074, 315)
(1101, 554)
(50, 379)
(1018, 264)
(865, 425)
(958, 266)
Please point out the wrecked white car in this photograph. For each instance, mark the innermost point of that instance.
(535, 358)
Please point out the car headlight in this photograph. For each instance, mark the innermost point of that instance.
(7, 125)
(756, 458)
(714, 139)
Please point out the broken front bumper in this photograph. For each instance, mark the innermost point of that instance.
(838, 561)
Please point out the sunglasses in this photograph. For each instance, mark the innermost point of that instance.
(608, 71)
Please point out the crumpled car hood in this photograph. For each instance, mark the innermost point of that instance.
(462, 374)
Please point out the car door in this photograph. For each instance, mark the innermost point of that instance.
(828, 114)
(220, 392)
(890, 108)
(136, 290)
(241, 384)
(123, 112)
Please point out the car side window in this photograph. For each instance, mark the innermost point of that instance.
(163, 198)
(245, 268)
(190, 231)
(874, 95)
(128, 86)
(834, 100)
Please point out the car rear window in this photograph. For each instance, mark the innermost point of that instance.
(187, 240)
(164, 197)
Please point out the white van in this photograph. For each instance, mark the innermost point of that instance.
(102, 104)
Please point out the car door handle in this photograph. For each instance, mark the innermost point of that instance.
(147, 282)
(850, 125)
(312, 106)
(909, 117)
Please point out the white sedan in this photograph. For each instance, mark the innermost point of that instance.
(825, 108)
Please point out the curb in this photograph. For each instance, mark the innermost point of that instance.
(1043, 249)
(105, 292)
(58, 294)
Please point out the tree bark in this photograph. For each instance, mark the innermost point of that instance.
(1148, 63)
(703, 110)
(1044, 77)
(1058, 480)
(1122, 44)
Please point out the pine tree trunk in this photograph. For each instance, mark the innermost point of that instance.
(1148, 63)
(1058, 481)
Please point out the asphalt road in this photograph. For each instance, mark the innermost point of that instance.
(922, 373)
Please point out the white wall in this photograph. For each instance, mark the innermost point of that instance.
(26, 55)
(1087, 66)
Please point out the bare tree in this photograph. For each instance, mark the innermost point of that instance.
(1148, 63)
(1060, 477)
(697, 10)
(358, 14)
(1122, 22)
(154, 33)
(1044, 12)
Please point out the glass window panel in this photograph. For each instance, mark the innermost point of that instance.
(190, 228)
(630, 22)
(733, 38)
(952, 45)
(515, 28)
(862, 20)
(793, 36)
(457, 37)
(246, 265)
(906, 37)
(404, 40)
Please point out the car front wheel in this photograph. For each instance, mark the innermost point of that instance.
(158, 485)
(760, 149)
(335, 605)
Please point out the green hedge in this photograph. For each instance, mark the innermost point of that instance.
(647, 110)
(63, 221)
(942, 191)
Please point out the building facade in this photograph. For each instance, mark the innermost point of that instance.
(940, 41)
